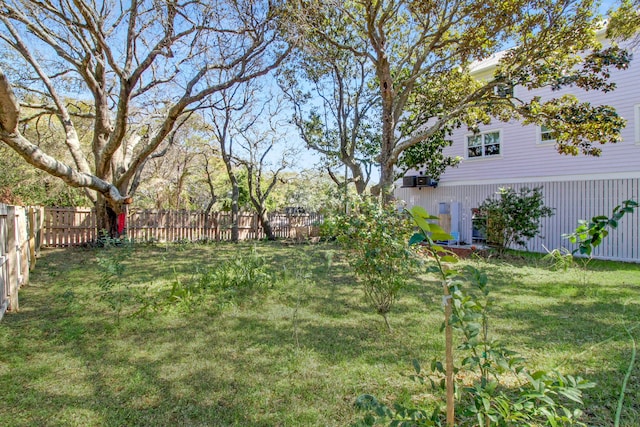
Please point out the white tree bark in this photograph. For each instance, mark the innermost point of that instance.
(152, 59)
(10, 135)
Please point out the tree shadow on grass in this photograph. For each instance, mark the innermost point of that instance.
(569, 322)
(105, 385)
(262, 367)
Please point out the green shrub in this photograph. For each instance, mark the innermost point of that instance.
(219, 285)
(513, 217)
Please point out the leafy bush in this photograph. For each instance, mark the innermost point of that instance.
(221, 284)
(513, 217)
(377, 237)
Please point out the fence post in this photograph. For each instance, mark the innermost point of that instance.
(40, 230)
(216, 224)
(12, 259)
(23, 245)
(31, 238)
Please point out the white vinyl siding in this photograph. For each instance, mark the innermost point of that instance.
(484, 144)
(521, 156)
(636, 109)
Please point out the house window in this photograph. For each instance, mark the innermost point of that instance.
(547, 135)
(483, 144)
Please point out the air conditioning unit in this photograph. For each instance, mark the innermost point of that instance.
(409, 181)
(425, 181)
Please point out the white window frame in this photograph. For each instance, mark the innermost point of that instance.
(542, 132)
(483, 146)
(636, 110)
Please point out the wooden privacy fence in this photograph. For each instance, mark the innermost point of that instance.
(77, 226)
(20, 240)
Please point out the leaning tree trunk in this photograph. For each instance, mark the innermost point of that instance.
(266, 225)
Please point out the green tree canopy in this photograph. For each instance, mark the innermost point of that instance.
(426, 57)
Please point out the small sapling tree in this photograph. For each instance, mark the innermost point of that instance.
(430, 233)
(588, 235)
(376, 235)
(540, 397)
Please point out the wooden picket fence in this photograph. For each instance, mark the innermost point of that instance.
(65, 227)
(20, 241)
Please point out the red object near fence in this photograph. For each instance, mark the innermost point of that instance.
(122, 222)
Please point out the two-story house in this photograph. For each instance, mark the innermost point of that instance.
(513, 155)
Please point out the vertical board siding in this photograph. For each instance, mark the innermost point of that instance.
(77, 226)
(571, 201)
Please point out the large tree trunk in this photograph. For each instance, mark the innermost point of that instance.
(106, 219)
(266, 225)
(385, 186)
(386, 182)
(235, 209)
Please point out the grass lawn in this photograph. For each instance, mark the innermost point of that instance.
(294, 352)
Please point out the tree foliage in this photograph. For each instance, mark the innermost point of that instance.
(624, 21)
(334, 102)
(426, 57)
(394, 78)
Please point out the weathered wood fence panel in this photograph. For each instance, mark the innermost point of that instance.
(20, 236)
(77, 226)
(69, 226)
